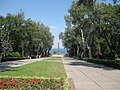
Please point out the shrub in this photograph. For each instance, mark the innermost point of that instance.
(79, 58)
(16, 54)
(54, 52)
(4, 59)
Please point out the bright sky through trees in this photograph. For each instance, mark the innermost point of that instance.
(50, 12)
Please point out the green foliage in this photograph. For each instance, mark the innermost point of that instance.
(4, 59)
(54, 52)
(24, 36)
(90, 3)
(15, 54)
(92, 31)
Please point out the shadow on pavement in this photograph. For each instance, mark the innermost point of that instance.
(7, 65)
(75, 62)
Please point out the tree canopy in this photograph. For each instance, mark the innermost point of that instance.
(92, 30)
(24, 36)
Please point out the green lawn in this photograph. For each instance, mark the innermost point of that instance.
(54, 58)
(39, 69)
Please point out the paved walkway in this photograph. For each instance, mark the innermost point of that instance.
(11, 64)
(88, 76)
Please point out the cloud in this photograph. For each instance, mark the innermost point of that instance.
(53, 27)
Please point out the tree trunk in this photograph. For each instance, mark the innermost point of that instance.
(22, 51)
(77, 50)
(90, 55)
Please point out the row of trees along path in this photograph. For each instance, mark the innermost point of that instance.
(92, 30)
(24, 36)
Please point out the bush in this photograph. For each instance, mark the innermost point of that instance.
(4, 59)
(16, 54)
(34, 84)
(79, 58)
(54, 52)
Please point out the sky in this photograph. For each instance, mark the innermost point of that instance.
(49, 12)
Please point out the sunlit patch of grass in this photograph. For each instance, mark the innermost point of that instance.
(39, 69)
(54, 58)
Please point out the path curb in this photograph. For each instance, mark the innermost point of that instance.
(72, 86)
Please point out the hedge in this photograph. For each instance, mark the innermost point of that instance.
(4, 59)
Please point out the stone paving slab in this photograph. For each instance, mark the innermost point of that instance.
(89, 76)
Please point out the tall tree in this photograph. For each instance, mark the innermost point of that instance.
(95, 29)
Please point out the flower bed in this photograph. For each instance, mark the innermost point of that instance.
(34, 83)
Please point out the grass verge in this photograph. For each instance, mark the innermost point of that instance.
(54, 58)
(39, 69)
(39, 75)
